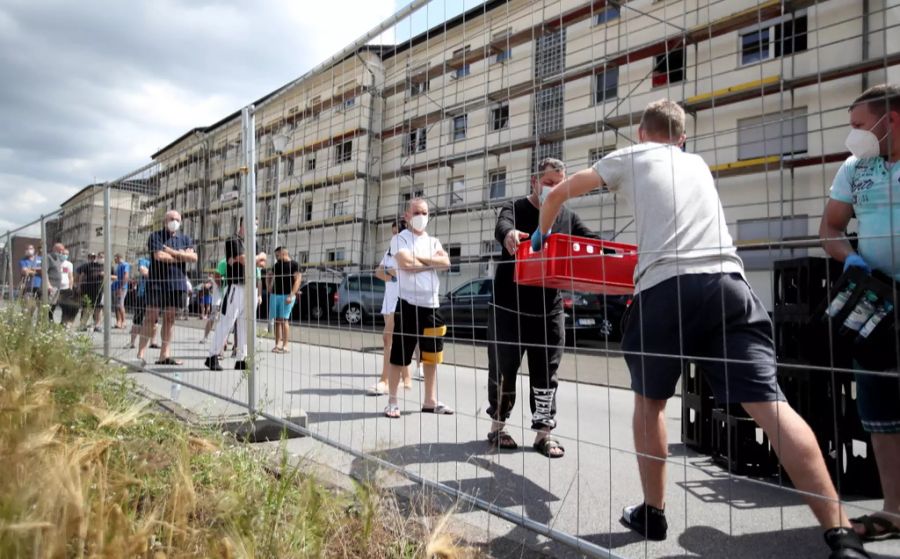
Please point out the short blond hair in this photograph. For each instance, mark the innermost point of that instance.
(663, 119)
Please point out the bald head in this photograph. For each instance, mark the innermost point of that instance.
(173, 214)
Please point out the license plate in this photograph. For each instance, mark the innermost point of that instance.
(586, 322)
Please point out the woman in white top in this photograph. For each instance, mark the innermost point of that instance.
(387, 272)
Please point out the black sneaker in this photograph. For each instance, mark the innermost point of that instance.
(845, 544)
(240, 365)
(212, 363)
(647, 521)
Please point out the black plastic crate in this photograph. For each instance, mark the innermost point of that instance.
(740, 446)
(801, 286)
(851, 463)
(696, 410)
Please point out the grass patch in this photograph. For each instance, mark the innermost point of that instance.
(91, 471)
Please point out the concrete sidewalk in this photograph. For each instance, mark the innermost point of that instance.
(711, 513)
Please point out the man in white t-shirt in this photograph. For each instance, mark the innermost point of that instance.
(419, 257)
(693, 302)
(387, 272)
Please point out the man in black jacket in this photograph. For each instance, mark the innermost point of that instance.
(527, 319)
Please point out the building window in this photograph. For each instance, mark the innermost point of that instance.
(773, 38)
(668, 68)
(336, 255)
(606, 85)
(464, 69)
(307, 210)
(285, 214)
(497, 184)
(302, 257)
(214, 229)
(417, 88)
(338, 204)
(500, 44)
(348, 103)
(768, 231)
(607, 14)
(311, 163)
(781, 133)
(500, 117)
(268, 215)
(343, 151)
(288, 167)
(459, 127)
(596, 154)
(415, 142)
(456, 191)
(454, 252)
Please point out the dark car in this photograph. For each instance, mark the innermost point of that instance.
(466, 310)
(315, 300)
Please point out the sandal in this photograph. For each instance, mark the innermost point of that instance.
(439, 409)
(392, 411)
(546, 445)
(844, 544)
(277, 350)
(154, 345)
(876, 528)
(502, 440)
(169, 361)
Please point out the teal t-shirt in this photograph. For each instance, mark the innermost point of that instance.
(874, 192)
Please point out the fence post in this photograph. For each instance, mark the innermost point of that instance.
(45, 267)
(107, 283)
(248, 141)
(9, 269)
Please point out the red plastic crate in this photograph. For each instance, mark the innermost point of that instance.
(578, 264)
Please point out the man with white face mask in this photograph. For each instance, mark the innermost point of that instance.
(170, 252)
(527, 319)
(868, 186)
(417, 321)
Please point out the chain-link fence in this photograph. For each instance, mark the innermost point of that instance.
(274, 263)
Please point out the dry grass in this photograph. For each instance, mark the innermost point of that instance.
(88, 471)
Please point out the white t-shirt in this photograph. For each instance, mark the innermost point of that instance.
(419, 288)
(65, 268)
(391, 288)
(678, 216)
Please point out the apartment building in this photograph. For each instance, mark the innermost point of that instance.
(461, 112)
(81, 220)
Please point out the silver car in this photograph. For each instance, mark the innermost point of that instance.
(358, 298)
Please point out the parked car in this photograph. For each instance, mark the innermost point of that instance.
(466, 310)
(315, 300)
(358, 298)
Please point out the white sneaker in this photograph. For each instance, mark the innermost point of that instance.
(378, 389)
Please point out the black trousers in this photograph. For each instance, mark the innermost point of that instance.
(510, 336)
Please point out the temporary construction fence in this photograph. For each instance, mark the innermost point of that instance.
(459, 109)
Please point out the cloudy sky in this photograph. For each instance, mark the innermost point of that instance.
(90, 89)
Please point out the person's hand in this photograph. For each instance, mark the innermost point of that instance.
(512, 239)
(857, 261)
(289, 299)
(538, 238)
(258, 300)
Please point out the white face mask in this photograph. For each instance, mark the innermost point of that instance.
(419, 222)
(544, 193)
(173, 225)
(864, 143)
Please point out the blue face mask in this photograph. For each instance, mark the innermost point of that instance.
(64, 257)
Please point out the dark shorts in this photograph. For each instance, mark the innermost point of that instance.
(878, 401)
(161, 298)
(140, 307)
(713, 320)
(91, 296)
(417, 325)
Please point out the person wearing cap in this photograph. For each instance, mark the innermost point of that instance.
(170, 253)
(88, 286)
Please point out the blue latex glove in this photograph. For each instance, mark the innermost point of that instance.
(538, 238)
(856, 260)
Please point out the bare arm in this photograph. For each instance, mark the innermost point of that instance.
(440, 261)
(505, 231)
(580, 183)
(833, 229)
(270, 279)
(296, 285)
(163, 256)
(381, 274)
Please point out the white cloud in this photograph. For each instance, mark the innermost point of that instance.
(93, 88)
